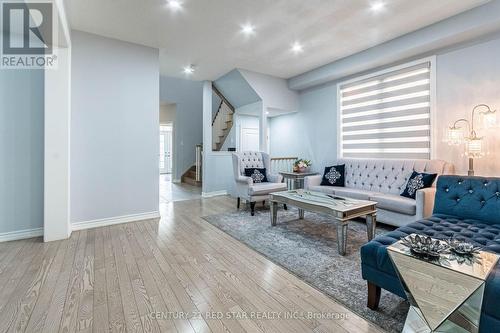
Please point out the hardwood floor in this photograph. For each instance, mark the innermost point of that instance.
(180, 274)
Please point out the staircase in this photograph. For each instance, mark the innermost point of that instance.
(189, 177)
(222, 122)
(193, 176)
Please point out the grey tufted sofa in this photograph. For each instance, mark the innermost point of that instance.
(246, 189)
(382, 181)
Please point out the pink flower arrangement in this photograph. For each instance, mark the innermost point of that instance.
(301, 165)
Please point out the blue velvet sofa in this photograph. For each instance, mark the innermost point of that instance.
(467, 207)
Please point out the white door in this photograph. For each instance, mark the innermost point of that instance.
(249, 139)
(166, 149)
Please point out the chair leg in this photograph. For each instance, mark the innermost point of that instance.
(373, 296)
(252, 208)
(238, 201)
(285, 207)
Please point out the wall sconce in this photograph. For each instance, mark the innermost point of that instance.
(474, 145)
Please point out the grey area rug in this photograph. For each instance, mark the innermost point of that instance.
(308, 249)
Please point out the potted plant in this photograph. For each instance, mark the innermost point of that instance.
(301, 165)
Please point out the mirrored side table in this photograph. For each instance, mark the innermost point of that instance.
(445, 294)
(295, 180)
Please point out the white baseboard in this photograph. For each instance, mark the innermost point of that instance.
(20, 234)
(213, 194)
(114, 220)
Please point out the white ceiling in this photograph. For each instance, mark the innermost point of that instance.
(206, 32)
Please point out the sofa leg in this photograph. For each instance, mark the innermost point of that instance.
(264, 203)
(285, 207)
(252, 208)
(238, 201)
(373, 296)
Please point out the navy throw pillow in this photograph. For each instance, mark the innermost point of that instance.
(258, 175)
(334, 176)
(416, 182)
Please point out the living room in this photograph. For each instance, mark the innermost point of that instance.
(250, 166)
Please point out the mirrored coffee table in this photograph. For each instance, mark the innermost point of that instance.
(445, 294)
(341, 209)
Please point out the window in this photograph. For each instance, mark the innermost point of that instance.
(388, 114)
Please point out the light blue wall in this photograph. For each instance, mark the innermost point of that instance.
(310, 133)
(466, 74)
(188, 126)
(236, 89)
(114, 128)
(21, 149)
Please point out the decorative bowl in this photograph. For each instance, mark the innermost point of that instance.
(463, 247)
(425, 245)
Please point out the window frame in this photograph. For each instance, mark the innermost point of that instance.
(432, 111)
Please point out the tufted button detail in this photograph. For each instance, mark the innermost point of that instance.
(447, 190)
(471, 191)
(458, 199)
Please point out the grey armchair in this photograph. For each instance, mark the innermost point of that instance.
(246, 188)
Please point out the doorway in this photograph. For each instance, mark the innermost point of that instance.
(249, 139)
(166, 149)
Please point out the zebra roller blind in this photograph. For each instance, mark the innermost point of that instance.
(387, 116)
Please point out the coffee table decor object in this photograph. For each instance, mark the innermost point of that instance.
(341, 209)
(445, 291)
(462, 247)
(425, 245)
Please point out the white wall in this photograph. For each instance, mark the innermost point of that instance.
(21, 150)
(57, 201)
(167, 113)
(188, 131)
(466, 77)
(114, 128)
(272, 90)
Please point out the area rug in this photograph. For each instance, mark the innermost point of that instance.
(308, 249)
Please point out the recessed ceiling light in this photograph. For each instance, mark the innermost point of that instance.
(297, 47)
(377, 6)
(174, 5)
(248, 29)
(189, 69)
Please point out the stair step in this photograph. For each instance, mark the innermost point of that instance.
(191, 181)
